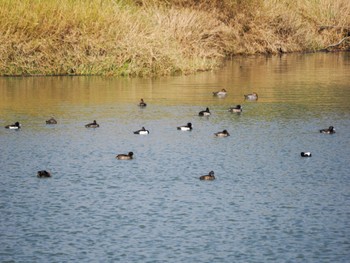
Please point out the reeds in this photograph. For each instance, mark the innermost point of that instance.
(153, 37)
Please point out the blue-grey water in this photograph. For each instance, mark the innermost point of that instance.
(267, 204)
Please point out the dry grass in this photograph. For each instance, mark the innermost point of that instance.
(153, 37)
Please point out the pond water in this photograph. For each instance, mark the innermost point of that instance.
(267, 204)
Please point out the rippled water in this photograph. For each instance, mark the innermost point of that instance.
(267, 203)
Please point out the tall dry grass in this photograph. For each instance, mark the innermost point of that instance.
(154, 37)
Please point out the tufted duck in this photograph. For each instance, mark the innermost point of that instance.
(43, 174)
(142, 104)
(187, 127)
(330, 130)
(15, 126)
(204, 112)
(128, 156)
(51, 121)
(305, 154)
(209, 176)
(92, 125)
(224, 133)
(237, 109)
(143, 131)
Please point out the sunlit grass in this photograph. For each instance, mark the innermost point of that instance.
(152, 38)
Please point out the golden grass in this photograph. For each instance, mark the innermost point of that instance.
(154, 37)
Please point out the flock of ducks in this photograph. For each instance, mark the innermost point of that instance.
(143, 131)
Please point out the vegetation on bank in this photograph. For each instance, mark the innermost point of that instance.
(159, 37)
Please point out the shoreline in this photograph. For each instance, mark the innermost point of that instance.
(147, 38)
(179, 74)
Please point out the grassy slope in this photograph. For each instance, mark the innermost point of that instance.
(153, 37)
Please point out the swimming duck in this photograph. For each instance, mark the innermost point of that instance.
(209, 176)
(224, 133)
(187, 127)
(92, 125)
(51, 121)
(143, 131)
(305, 154)
(330, 130)
(128, 156)
(15, 126)
(237, 109)
(221, 93)
(204, 112)
(253, 96)
(142, 104)
(43, 174)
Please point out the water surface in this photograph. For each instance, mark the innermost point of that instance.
(267, 204)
